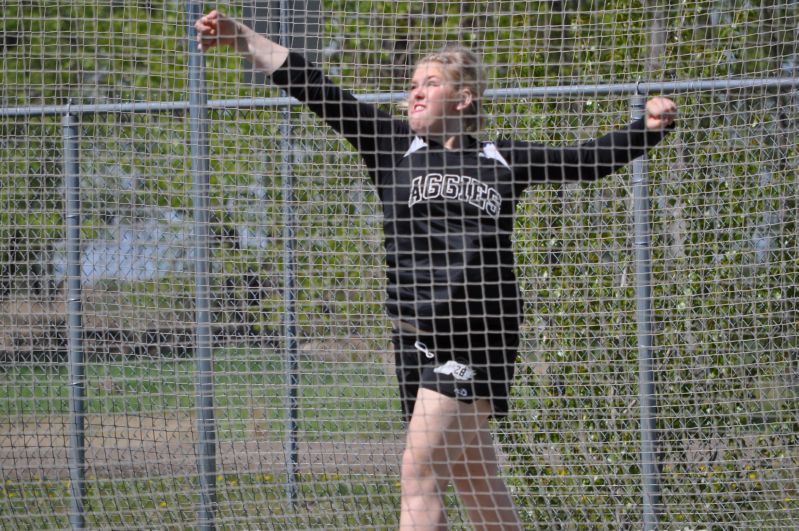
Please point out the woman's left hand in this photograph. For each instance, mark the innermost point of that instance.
(660, 113)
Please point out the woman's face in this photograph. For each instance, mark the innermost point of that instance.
(433, 105)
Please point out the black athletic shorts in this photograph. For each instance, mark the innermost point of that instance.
(462, 366)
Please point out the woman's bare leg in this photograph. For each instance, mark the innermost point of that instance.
(440, 429)
(477, 480)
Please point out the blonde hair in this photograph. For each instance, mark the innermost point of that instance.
(465, 69)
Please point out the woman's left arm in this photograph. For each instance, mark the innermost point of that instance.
(596, 158)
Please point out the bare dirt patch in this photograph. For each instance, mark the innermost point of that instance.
(36, 447)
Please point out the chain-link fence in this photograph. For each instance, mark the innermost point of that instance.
(192, 270)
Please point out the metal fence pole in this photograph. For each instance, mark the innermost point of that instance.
(206, 425)
(290, 281)
(290, 315)
(77, 367)
(643, 297)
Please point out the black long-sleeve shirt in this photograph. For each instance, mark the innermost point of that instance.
(448, 214)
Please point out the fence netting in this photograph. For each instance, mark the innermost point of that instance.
(302, 354)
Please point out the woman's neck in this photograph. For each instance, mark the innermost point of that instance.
(451, 143)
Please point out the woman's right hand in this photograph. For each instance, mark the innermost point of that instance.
(216, 29)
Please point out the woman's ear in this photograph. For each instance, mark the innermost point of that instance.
(466, 98)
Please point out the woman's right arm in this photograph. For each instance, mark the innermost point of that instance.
(216, 29)
(362, 124)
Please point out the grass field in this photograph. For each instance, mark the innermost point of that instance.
(250, 386)
(351, 403)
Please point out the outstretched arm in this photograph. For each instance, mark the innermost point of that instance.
(216, 29)
(596, 158)
(362, 124)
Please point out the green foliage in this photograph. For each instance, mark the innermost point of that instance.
(77, 51)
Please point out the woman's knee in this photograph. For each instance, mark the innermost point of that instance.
(416, 463)
(419, 473)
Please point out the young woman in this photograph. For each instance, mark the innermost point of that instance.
(448, 204)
